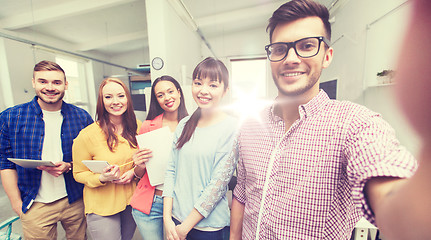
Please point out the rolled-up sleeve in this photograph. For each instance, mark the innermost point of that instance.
(372, 150)
(239, 191)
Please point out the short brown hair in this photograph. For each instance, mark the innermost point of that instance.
(48, 66)
(297, 9)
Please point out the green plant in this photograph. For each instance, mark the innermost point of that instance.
(389, 73)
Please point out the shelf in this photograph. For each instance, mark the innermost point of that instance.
(380, 85)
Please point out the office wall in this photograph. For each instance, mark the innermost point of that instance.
(357, 27)
(175, 42)
(243, 43)
(20, 60)
(5, 86)
(366, 39)
(133, 58)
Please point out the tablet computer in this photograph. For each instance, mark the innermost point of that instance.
(95, 166)
(31, 163)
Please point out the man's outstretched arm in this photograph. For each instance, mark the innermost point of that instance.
(236, 218)
(401, 206)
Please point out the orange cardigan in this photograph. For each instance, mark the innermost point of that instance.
(142, 198)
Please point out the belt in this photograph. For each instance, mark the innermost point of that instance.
(158, 192)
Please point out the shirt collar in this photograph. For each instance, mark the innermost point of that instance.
(38, 110)
(36, 106)
(314, 105)
(306, 110)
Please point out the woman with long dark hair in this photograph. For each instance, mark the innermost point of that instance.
(197, 177)
(167, 108)
(111, 138)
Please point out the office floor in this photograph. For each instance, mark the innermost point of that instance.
(7, 212)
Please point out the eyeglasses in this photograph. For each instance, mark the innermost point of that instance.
(305, 48)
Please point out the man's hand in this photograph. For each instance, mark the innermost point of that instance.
(9, 179)
(60, 168)
(236, 219)
(17, 207)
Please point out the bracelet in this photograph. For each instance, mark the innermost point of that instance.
(70, 168)
(136, 176)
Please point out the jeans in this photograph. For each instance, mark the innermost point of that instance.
(194, 234)
(151, 226)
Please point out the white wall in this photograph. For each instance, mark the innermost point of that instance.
(132, 59)
(176, 43)
(245, 43)
(367, 36)
(354, 37)
(20, 60)
(5, 85)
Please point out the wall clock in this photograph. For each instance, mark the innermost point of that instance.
(157, 63)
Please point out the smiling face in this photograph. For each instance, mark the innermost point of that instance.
(168, 97)
(114, 99)
(293, 75)
(207, 93)
(50, 87)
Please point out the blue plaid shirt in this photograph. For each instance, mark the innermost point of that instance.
(22, 131)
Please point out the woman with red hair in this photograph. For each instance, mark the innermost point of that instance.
(111, 138)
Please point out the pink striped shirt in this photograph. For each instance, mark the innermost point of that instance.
(307, 182)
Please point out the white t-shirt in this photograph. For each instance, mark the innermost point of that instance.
(52, 188)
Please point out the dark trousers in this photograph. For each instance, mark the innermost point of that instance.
(194, 234)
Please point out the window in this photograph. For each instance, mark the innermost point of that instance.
(249, 86)
(76, 93)
(249, 78)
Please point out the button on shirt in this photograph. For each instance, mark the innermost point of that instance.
(307, 182)
(21, 136)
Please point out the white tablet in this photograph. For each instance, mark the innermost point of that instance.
(95, 166)
(31, 163)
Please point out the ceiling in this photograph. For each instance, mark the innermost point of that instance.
(112, 27)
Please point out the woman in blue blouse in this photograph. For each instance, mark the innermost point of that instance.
(195, 203)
